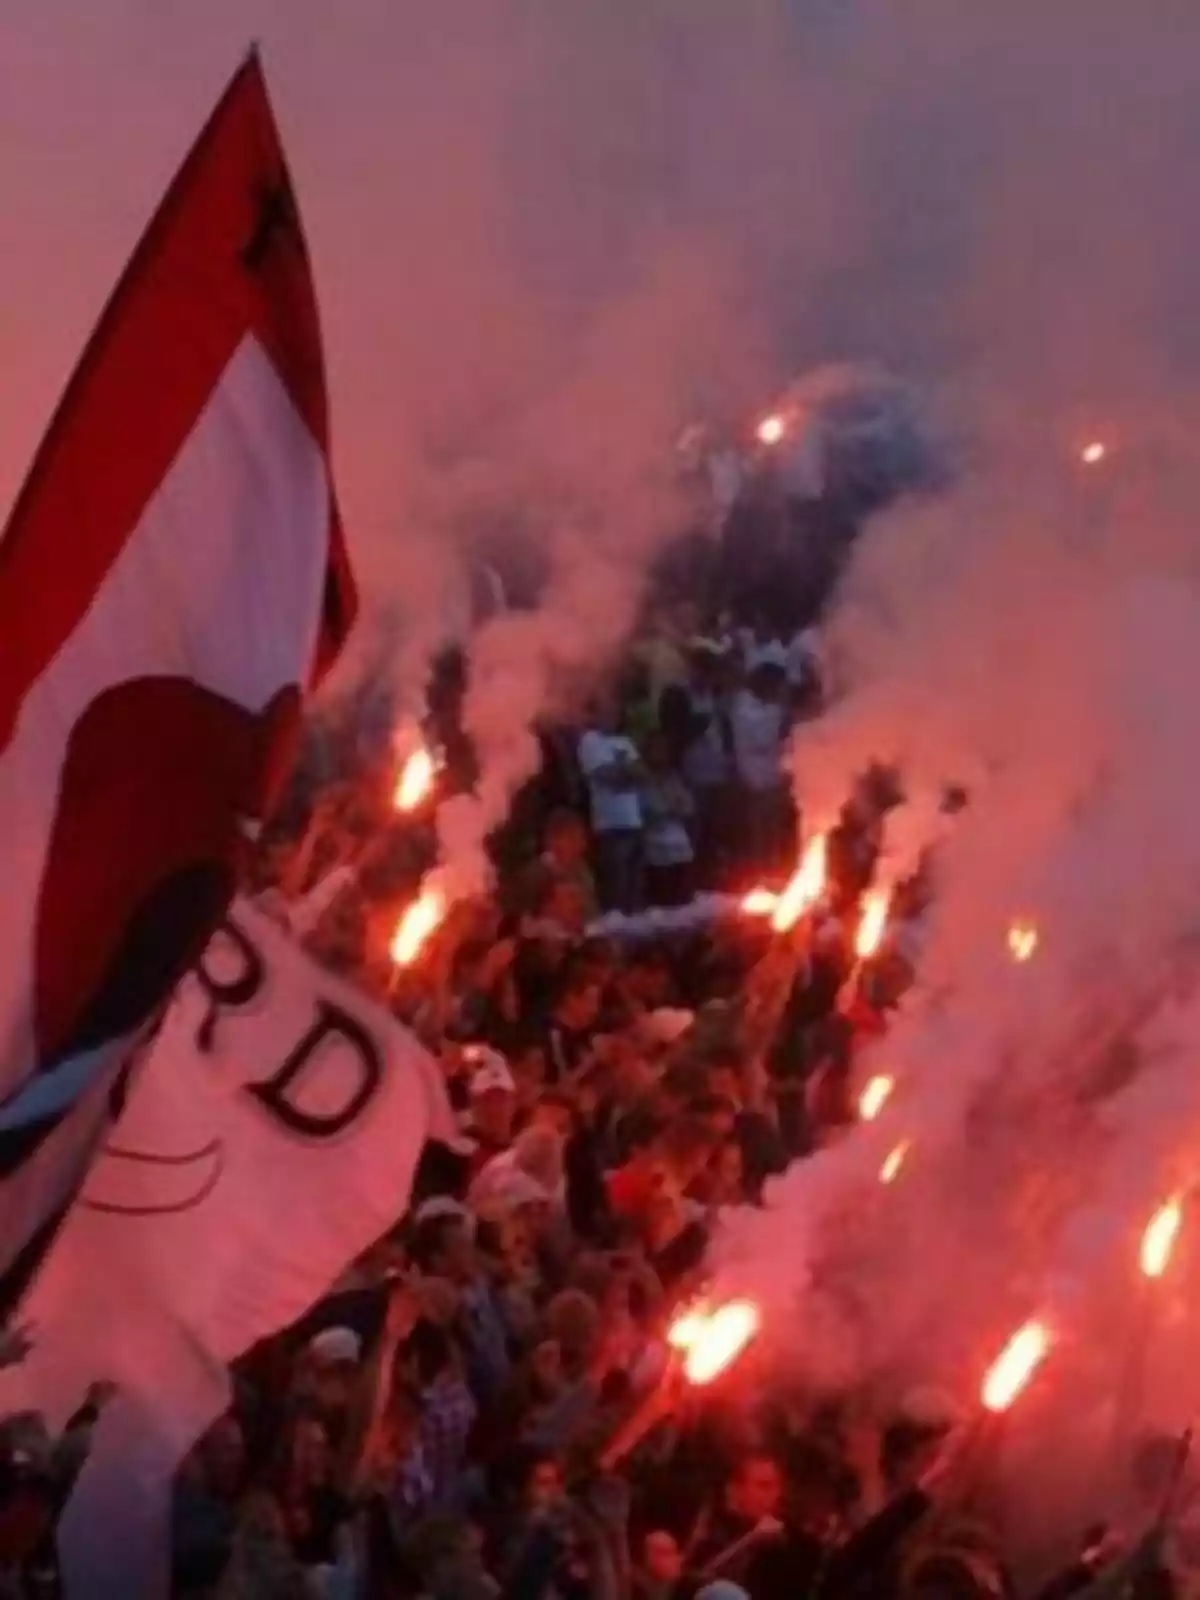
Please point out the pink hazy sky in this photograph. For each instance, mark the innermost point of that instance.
(497, 189)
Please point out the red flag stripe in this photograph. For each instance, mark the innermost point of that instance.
(222, 257)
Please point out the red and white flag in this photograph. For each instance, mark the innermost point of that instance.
(172, 579)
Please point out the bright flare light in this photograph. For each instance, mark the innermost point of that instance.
(890, 1170)
(1093, 454)
(1158, 1241)
(760, 903)
(415, 782)
(415, 926)
(1022, 942)
(874, 1097)
(716, 1341)
(872, 923)
(687, 1327)
(1010, 1373)
(771, 430)
(803, 889)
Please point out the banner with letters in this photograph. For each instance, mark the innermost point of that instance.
(271, 1135)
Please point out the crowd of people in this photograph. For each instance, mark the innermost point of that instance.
(489, 1403)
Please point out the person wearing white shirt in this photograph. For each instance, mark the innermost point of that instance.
(613, 773)
(669, 811)
(759, 726)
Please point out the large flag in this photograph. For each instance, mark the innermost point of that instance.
(269, 1139)
(172, 578)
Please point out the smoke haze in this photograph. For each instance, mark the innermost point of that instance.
(546, 235)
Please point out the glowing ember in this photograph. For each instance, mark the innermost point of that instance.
(760, 903)
(872, 923)
(415, 782)
(874, 1097)
(890, 1170)
(687, 1327)
(718, 1340)
(1016, 1364)
(1022, 942)
(1093, 454)
(803, 889)
(771, 430)
(415, 926)
(1158, 1241)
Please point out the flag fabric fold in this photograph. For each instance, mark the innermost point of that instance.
(172, 579)
(272, 1135)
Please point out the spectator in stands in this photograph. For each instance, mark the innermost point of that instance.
(614, 775)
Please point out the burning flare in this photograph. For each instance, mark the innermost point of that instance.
(1010, 1373)
(872, 923)
(890, 1170)
(1022, 942)
(803, 889)
(1158, 1241)
(415, 782)
(416, 924)
(875, 1096)
(687, 1327)
(1093, 454)
(760, 903)
(712, 1341)
(772, 430)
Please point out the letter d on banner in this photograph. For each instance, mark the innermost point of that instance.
(334, 1031)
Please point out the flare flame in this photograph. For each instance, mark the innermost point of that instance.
(1011, 1372)
(416, 924)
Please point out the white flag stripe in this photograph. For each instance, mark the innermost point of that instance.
(220, 583)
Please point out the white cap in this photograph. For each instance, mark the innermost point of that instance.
(441, 1205)
(667, 1023)
(333, 1346)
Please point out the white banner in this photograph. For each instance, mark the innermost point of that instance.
(271, 1137)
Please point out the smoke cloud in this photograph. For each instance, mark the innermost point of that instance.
(546, 236)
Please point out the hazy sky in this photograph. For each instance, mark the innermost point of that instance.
(501, 192)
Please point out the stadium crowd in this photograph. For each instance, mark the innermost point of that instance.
(488, 1404)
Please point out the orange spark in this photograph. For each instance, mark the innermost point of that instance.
(875, 1096)
(717, 1340)
(760, 903)
(415, 782)
(416, 924)
(890, 1170)
(1016, 1364)
(1022, 942)
(803, 889)
(1093, 454)
(872, 923)
(772, 430)
(1158, 1241)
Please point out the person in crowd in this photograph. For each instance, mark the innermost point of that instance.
(759, 723)
(490, 1120)
(565, 855)
(668, 812)
(694, 721)
(613, 771)
(570, 1024)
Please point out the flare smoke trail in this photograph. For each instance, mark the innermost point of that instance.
(1035, 636)
(545, 235)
